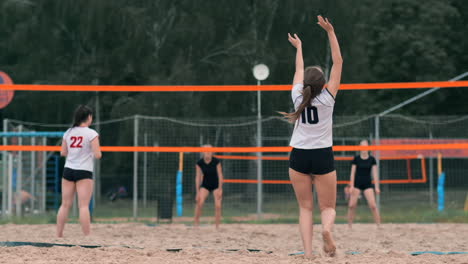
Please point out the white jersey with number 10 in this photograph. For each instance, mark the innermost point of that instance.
(80, 154)
(314, 128)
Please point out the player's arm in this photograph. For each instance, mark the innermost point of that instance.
(352, 177)
(198, 178)
(219, 168)
(335, 75)
(375, 174)
(299, 74)
(64, 149)
(96, 147)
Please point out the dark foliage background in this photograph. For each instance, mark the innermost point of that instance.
(162, 42)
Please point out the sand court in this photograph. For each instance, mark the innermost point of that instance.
(234, 243)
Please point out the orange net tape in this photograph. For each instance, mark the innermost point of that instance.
(223, 88)
(235, 157)
(243, 149)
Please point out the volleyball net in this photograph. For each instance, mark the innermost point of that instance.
(148, 167)
(137, 176)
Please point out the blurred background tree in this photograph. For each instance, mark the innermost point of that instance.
(148, 42)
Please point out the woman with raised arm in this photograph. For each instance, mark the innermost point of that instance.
(362, 167)
(311, 161)
(80, 145)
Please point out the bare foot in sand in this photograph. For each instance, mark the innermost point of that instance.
(328, 244)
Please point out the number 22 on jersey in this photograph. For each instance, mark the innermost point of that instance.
(312, 115)
(76, 142)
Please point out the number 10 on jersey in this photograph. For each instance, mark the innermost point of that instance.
(312, 115)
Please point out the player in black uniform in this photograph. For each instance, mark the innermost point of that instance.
(362, 167)
(209, 178)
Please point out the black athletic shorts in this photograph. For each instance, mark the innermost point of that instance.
(363, 186)
(76, 175)
(312, 161)
(210, 188)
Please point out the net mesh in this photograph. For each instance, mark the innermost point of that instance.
(155, 174)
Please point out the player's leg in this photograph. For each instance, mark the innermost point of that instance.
(302, 184)
(326, 193)
(68, 194)
(84, 188)
(352, 205)
(218, 199)
(370, 197)
(202, 195)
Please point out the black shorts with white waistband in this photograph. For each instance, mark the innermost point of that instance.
(312, 161)
(76, 175)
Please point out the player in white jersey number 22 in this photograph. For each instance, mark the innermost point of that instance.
(80, 146)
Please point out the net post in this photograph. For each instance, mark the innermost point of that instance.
(19, 175)
(96, 197)
(431, 177)
(179, 185)
(259, 156)
(97, 168)
(44, 176)
(377, 155)
(135, 168)
(145, 172)
(4, 170)
(440, 184)
(10, 185)
(33, 174)
(439, 163)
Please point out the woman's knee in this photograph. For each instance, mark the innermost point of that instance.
(83, 203)
(306, 206)
(66, 204)
(218, 201)
(82, 207)
(200, 203)
(327, 203)
(324, 208)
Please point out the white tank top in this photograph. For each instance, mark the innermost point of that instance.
(80, 154)
(314, 128)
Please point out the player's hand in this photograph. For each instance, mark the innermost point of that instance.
(351, 189)
(325, 24)
(295, 41)
(377, 190)
(196, 197)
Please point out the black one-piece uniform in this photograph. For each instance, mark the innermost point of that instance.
(210, 174)
(362, 179)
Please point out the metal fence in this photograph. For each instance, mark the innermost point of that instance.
(30, 181)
